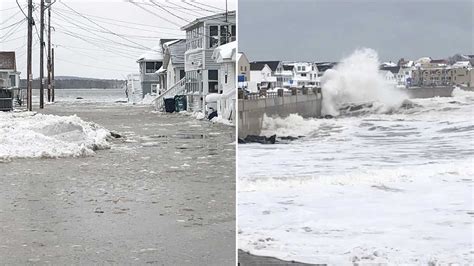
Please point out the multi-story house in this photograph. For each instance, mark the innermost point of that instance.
(262, 75)
(9, 76)
(243, 67)
(284, 75)
(226, 55)
(203, 35)
(173, 63)
(461, 73)
(432, 73)
(149, 63)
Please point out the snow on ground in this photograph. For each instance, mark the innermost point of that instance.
(148, 99)
(29, 135)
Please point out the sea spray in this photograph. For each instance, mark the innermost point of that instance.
(357, 79)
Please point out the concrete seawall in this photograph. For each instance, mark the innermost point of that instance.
(252, 111)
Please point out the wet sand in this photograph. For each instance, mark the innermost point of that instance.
(164, 194)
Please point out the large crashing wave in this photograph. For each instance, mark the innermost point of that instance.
(357, 79)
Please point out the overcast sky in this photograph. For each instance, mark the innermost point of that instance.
(316, 30)
(92, 51)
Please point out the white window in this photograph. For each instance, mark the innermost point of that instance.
(154, 88)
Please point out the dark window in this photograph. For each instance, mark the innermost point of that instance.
(225, 77)
(152, 67)
(303, 74)
(213, 76)
(233, 33)
(182, 74)
(224, 34)
(12, 81)
(213, 36)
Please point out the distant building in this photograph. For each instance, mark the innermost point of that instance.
(149, 63)
(461, 73)
(431, 72)
(284, 75)
(243, 67)
(226, 56)
(9, 76)
(261, 74)
(323, 66)
(173, 63)
(203, 35)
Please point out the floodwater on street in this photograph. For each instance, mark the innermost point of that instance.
(163, 194)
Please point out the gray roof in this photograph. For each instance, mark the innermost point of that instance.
(7, 60)
(220, 16)
(177, 50)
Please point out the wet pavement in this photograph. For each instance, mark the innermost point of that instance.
(164, 194)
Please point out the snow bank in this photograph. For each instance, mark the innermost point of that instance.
(221, 120)
(148, 99)
(30, 135)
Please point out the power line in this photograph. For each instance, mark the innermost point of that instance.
(12, 31)
(104, 27)
(153, 13)
(204, 9)
(21, 9)
(167, 11)
(107, 21)
(98, 35)
(197, 2)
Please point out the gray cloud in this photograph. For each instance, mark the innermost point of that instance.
(80, 58)
(329, 30)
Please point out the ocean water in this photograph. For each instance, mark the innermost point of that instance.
(364, 187)
(85, 95)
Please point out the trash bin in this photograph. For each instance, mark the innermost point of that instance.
(6, 100)
(180, 103)
(169, 105)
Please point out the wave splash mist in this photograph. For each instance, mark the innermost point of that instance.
(357, 79)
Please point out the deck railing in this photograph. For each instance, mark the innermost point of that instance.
(174, 90)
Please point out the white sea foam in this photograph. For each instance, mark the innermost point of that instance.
(357, 79)
(25, 135)
(390, 188)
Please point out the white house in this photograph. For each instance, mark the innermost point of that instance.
(173, 63)
(389, 76)
(9, 76)
(304, 74)
(203, 35)
(149, 63)
(226, 55)
(243, 65)
(133, 88)
(261, 76)
(284, 75)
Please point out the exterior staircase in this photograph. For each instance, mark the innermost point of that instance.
(174, 90)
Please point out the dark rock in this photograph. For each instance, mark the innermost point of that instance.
(289, 138)
(79, 98)
(115, 135)
(260, 139)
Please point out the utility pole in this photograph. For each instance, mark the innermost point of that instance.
(49, 54)
(41, 55)
(52, 75)
(28, 60)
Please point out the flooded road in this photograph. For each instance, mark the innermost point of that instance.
(163, 194)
